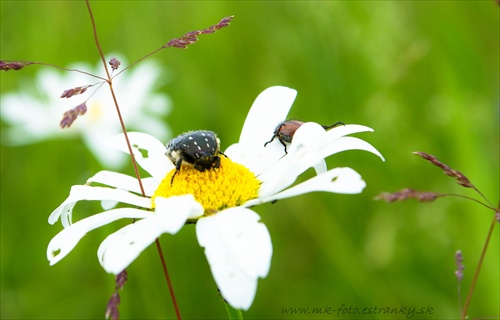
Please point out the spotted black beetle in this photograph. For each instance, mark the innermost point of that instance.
(199, 149)
(285, 130)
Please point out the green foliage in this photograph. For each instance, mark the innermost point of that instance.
(424, 75)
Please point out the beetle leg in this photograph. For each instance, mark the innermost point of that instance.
(284, 145)
(265, 144)
(217, 161)
(177, 168)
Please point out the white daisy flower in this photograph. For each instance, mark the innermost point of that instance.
(238, 247)
(34, 115)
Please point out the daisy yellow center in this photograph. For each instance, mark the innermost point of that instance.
(230, 185)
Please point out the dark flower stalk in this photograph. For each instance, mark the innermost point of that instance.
(459, 176)
(74, 91)
(6, 65)
(114, 63)
(407, 193)
(427, 196)
(13, 65)
(479, 265)
(459, 273)
(112, 311)
(71, 115)
(192, 36)
(188, 38)
(185, 40)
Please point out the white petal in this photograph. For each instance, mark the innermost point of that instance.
(330, 142)
(248, 239)
(67, 239)
(256, 159)
(148, 151)
(303, 153)
(38, 126)
(312, 135)
(121, 248)
(238, 249)
(320, 167)
(79, 192)
(108, 204)
(285, 172)
(310, 145)
(236, 152)
(186, 203)
(348, 143)
(269, 109)
(93, 137)
(338, 180)
(344, 130)
(125, 182)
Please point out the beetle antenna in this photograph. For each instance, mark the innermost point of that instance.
(336, 124)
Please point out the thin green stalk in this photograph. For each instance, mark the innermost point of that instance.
(232, 313)
(479, 265)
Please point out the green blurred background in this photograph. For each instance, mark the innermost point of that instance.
(424, 75)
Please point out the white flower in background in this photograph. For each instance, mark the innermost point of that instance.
(238, 247)
(33, 114)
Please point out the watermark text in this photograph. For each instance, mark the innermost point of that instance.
(346, 310)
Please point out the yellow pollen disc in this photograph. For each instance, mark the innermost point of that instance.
(216, 189)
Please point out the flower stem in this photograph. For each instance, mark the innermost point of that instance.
(480, 263)
(134, 163)
(141, 59)
(96, 38)
(167, 277)
(54, 66)
(233, 313)
(124, 129)
(470, 198)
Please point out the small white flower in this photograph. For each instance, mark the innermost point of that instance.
(238, 247)
(34, 115)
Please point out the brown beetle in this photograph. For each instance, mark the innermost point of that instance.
(285, 130)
